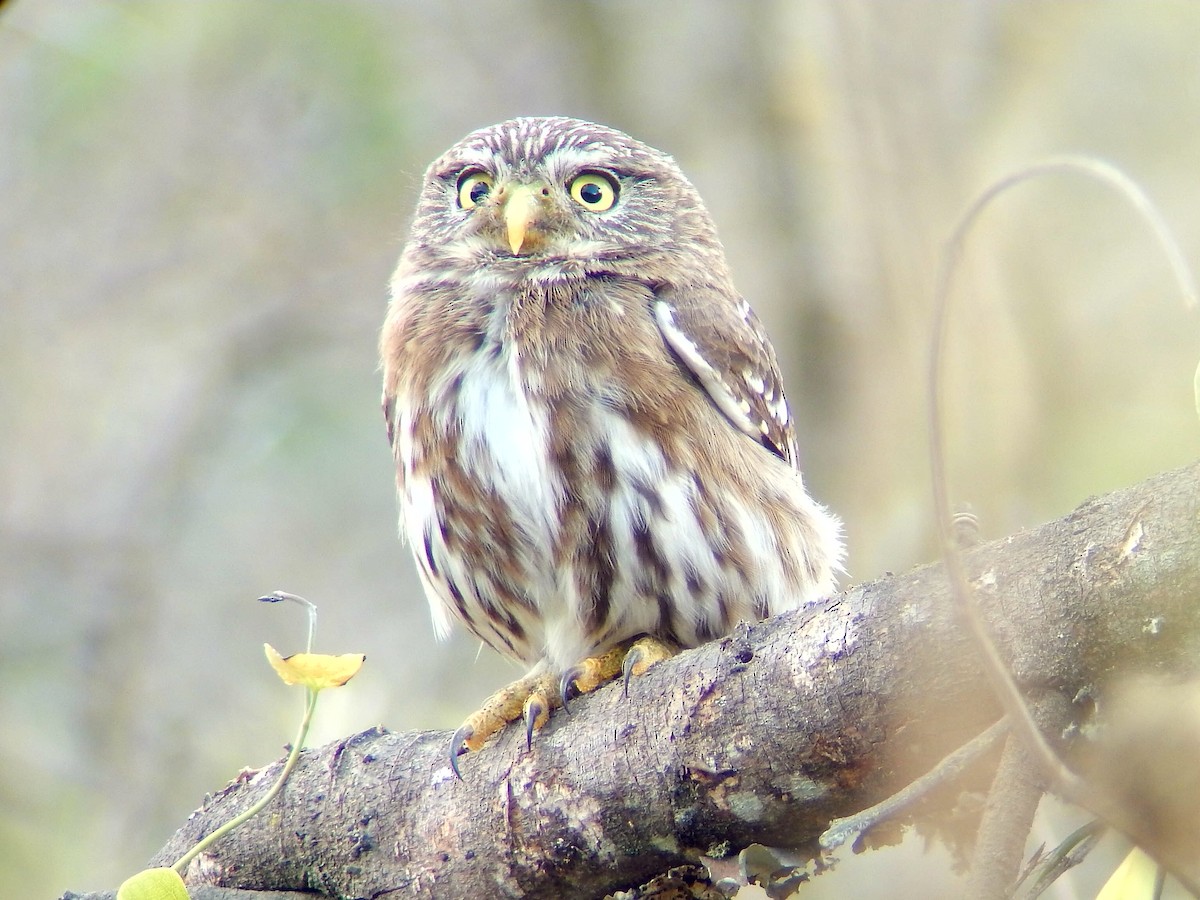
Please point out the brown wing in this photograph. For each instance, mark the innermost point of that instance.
(723, 344)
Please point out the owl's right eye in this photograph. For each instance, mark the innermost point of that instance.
(473, 187)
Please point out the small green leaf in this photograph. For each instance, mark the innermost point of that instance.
(153, 884)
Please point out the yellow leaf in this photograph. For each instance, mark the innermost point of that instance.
(315, 670)
(1133, 880)
(153, 884)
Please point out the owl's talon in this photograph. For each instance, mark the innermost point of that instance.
(588, 674)
(532, 697)
(566, 686)
(631, 659)
(644, 653)
(536, 713)
(458, 746)
(529, 720)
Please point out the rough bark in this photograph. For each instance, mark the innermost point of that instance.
(763, 736)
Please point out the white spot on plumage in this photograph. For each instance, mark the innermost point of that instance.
(754, 381)
(779, 409)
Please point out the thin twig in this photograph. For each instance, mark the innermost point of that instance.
(841, 830)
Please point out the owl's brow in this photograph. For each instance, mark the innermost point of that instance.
(599, 157)
(467, 159)
(559, 164)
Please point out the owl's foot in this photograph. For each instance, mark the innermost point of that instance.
(531, 698)
(627, 659)
(535, 696)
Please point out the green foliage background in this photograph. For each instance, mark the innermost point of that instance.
(200, 205)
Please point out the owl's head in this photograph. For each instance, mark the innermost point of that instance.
(561, 190)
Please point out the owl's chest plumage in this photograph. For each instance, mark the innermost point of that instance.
(551, 466)
(490, 415)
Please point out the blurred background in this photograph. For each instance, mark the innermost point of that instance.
(200, 207)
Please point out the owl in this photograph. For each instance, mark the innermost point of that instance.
(595, 459)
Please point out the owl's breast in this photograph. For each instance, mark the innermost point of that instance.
(480, 496)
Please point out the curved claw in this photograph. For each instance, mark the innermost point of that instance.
(533, 710)
(632, 658)
(567, 684)
(458, 746)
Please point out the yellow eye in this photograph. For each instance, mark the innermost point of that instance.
(594, 191)
(473, 187)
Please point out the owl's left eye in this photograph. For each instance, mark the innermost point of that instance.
(473, 187)
(594, 191)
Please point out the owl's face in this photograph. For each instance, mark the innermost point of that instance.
(539, 190)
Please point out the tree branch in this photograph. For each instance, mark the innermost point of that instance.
(1016, 790)
(763, 736)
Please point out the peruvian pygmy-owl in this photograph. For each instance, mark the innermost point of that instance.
(591, 439)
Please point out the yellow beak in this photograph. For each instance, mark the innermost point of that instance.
(520, 210)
